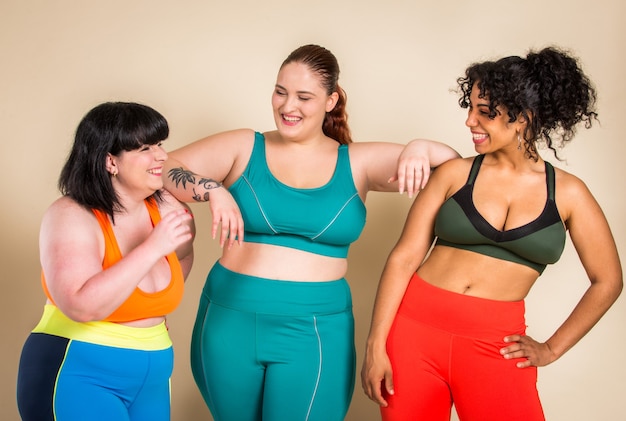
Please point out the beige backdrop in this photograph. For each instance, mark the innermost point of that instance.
(210, 66)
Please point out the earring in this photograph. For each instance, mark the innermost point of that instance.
(519, 142)
(115, 172)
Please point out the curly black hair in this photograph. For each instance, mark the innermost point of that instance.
(547, 88)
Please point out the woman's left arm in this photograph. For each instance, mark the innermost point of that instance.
(420, 155)
(594, 243)
(396, 167)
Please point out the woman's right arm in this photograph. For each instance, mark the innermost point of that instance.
(403, 261)
(71, 247)
(195, 173)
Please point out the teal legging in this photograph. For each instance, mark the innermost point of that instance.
(274, 350)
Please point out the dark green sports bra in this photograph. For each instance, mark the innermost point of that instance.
(535, 244)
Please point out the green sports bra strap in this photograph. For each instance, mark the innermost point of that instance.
(478, 160)
(550, 180)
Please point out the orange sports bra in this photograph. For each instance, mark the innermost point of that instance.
(140, 304)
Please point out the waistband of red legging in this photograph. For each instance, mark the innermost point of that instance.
(459, 313)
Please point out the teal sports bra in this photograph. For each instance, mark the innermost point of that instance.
(323, 220)
(535, 244)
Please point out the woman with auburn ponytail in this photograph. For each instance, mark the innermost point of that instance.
(274, 334)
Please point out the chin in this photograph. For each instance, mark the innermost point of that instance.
(288, 131)
(156, 188)
(480, 148)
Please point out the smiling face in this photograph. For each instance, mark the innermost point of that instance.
(138, 172)
(491, 134)
(300, 102)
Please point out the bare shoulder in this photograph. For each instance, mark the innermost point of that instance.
(66, 208)
(216, 156)
(456, 169)
(232, 140)
(66, 223)
(572, 195)
(452, 174)
(239, 140)
(456, 165)
(169, 203)
(237, 136)
(568, 186)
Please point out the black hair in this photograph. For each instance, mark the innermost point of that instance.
(109, 128)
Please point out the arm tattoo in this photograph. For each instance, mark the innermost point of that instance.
(209, 183)
(179, 175)
(182, 176)
(199, 198)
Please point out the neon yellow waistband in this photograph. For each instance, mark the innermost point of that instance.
(54, 322)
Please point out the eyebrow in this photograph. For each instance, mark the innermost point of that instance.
(297, 92)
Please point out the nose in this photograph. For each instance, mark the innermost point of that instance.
(470, 121)
(160, 154)
(290, 103)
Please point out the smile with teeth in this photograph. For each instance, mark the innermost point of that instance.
(155, 171)
(479, 136)
(290, 118)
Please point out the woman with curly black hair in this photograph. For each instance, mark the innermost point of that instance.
(449, 328)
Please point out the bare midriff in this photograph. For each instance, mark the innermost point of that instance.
(467, 272)
(282, 263)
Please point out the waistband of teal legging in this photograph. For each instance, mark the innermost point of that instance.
(54, 322)
(260, 295)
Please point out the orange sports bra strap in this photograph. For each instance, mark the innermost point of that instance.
(153, 210)
(112, 253)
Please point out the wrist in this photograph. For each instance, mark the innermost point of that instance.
(554, 353)
(211, 187)
(374, 344)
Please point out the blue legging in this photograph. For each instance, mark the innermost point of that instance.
(274, 350)
(65, 379)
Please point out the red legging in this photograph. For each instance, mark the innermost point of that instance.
(445, 349)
